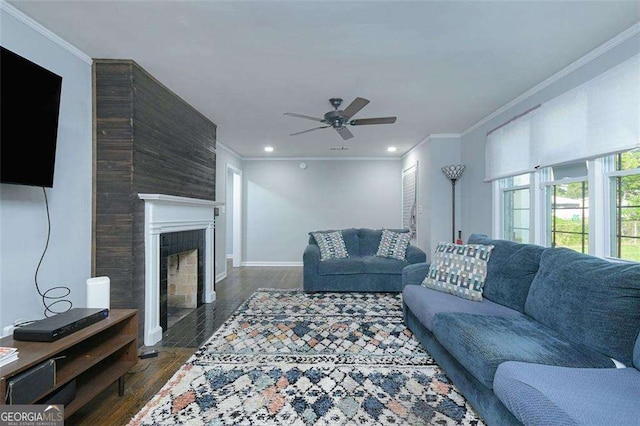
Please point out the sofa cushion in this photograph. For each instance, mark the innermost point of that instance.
(459, 269)
(510, 270)
(550, 395)
(636, 354)
(351, 265)
(331, 245)
(425, 303)
(369, 240)
(383, 265)
(349, 236)
(393, 244)
(480, 343)
(590, 300)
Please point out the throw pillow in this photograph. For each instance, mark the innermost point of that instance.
(331, 245)
(393, 244)
(459, 269)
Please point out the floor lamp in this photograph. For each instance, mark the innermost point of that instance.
(453, 172)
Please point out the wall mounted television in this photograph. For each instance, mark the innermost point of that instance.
(30, 105)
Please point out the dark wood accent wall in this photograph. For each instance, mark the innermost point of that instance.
(148, 140)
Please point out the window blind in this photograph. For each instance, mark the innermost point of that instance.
(508, 150)
(597, 118)
(409, 199)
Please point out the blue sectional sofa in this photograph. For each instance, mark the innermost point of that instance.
(539, 348)
(362, 270)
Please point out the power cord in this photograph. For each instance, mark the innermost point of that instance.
(46, 296)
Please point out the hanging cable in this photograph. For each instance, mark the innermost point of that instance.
(48, 300)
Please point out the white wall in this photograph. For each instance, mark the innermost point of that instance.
(23, 220)
(434, 189)
(284, 202)
(224, 157)
(476, 194)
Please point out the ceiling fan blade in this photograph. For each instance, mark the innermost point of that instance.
(379, 120)
(308, 117)
(310, 130)
(344, 132)
(354, 107)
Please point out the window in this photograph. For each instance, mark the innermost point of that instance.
(516, 196)
(568, 217)
(567, 206)
(625, 206)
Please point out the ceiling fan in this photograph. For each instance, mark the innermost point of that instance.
(339, 119)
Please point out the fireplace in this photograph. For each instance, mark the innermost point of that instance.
(167, 215)
(181, 274)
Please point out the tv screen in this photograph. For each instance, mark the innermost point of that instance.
(30, 103)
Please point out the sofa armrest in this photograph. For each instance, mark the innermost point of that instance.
(311, 255)
(415, 255)
(414, 274)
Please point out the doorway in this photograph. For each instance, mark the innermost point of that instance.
(234, 216)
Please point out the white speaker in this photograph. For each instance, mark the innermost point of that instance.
(98, 292)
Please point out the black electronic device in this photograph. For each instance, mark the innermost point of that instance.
(151, 353)
(60, 325)
(28, 385)
(29, 108)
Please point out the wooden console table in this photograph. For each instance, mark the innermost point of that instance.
(95, 356)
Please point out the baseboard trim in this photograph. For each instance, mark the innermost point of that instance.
(263, 263)
(221, 276)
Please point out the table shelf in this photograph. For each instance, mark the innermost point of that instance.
(95, 356)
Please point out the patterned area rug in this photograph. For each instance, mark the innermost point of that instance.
(290, 358)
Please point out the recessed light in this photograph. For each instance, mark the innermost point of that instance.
(268, 148)
(392, 149)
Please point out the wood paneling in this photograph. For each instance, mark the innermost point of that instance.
(148, 140)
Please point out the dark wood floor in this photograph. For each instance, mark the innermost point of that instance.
(180, 342)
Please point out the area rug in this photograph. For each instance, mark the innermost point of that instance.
(290, 358)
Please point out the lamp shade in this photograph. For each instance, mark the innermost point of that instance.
(453, 171)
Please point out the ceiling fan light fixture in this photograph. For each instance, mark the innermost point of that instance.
(339, 119)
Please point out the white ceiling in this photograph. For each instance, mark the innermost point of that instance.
(439, 66)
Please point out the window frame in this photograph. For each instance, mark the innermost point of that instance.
(610, 213)
(500, 187)
(601, 209)
(546, 204)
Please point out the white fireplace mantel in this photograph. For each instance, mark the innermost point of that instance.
(168, 213)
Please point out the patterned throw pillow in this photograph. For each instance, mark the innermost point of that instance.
(393, 244)
(331, 245)
(459, 269)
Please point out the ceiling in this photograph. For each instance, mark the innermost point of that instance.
(439, 66)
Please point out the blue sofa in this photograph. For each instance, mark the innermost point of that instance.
(362, 270)
(538, 349)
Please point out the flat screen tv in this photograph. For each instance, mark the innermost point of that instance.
(30, 104)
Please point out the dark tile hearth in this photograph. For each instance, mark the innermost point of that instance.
(196, 327)
(174, 315)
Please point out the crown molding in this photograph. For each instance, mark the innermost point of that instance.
(429, 137)
(229, 150)
(232, 152)
(322, 158)
(30, 22)
(594, 54)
